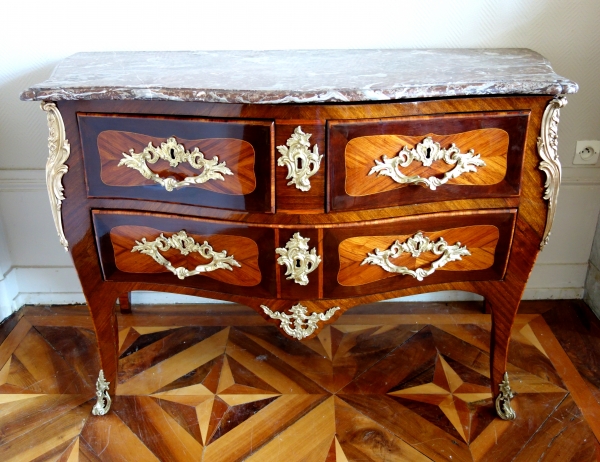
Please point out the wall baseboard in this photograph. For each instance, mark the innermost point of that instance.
(160, 298)
(592, 289)
(60, 286)
(22, 180)
(9, 291)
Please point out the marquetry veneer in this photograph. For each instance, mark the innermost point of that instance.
(371, 221)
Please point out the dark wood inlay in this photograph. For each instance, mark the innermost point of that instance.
(226, 388)
(246, 146)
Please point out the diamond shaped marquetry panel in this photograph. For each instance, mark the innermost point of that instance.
(372, 387)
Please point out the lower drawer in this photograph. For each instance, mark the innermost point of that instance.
(397, 254)
(350, 260)
(162, 249)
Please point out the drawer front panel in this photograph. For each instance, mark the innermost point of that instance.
(240, 254)
(222, 257)
(402, 253)
(192, 161)
(386, 162)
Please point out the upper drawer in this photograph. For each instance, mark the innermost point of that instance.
(213, 163)
(389, 162)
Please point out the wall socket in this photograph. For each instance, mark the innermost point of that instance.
(587, 152)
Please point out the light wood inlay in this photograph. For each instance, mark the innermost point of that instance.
(389, 381)
(244, 250)
(361, 153)
(239, 156)
(480, 241)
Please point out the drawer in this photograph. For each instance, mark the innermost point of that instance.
(165, 249)
(401, 253)
(389, 162)
(213, 163)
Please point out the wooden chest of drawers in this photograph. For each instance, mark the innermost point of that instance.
(302, 204)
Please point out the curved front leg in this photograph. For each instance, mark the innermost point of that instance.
(503, 306)
(102, 310)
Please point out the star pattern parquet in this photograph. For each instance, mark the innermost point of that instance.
(370, 388)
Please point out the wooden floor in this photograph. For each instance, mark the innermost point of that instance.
(408, 383)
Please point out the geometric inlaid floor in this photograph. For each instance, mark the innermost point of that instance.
(399, 385)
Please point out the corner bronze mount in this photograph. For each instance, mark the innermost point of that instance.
(503, 406)
(103, 400)
(59, 151)
(547, 144)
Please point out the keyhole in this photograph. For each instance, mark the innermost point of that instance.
(299, 163)
(172, 153)
(298, 263)
(428, 155)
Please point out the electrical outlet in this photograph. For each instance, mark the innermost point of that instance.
(587, 152)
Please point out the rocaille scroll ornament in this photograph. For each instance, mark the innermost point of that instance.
(175, 153)
(417, 245)
(186, 245)
(503, 406)
(58, 153)
(547, 145)
(427, 152)
(299, 160)
(103, 400)
(299, 262)
(299, 325)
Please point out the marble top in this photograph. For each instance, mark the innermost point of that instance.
(300, 76)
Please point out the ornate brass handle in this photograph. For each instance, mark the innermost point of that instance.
(299, 160)
(428, 152)
(185, 244)
(298, 260)
(416, 245)
(175, 153)
(303, 325)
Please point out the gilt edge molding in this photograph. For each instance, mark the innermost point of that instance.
(59, 151)
(547, 145)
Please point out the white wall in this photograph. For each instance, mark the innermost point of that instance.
(592, 282)
(34, 38)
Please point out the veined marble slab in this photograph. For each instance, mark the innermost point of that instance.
(300, 76)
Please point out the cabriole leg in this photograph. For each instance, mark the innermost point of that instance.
(125, 303)
(504, 310)
(102, 309)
